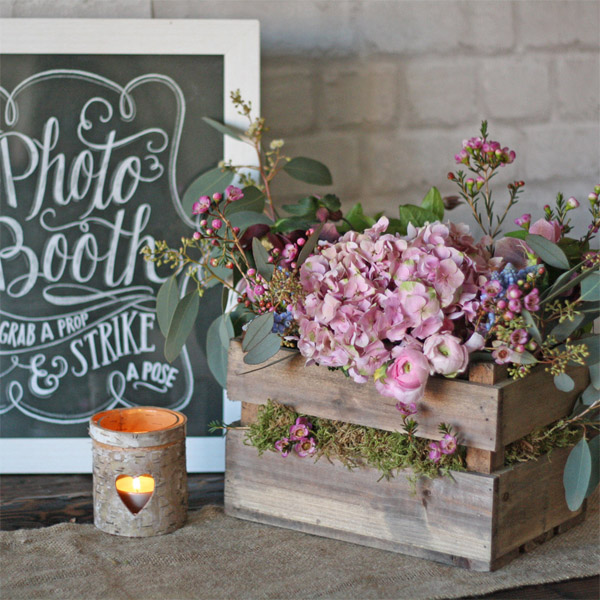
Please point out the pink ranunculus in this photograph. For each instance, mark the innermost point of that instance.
(446, 354)
(551, 230)
(406, 377)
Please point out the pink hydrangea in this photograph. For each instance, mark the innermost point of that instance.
(371, 294)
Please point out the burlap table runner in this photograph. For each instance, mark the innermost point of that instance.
(215, 556)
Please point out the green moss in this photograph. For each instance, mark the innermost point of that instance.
(353, 445)
(542, 441)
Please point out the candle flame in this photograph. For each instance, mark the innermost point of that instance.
(136, 484)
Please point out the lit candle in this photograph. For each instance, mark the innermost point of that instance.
(135, 492)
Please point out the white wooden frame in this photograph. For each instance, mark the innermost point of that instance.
(238, 41)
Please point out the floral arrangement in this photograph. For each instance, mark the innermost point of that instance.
(393, 300)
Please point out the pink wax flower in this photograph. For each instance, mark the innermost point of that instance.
(532, 300)
(435, 452)
(515, 306)
(406, 409)
(301, 429)
(523, 221)
(462, 157)
(551, 230)
(406, 377)
(446, 354)
(202, 206)
(502, 353)
(513, 292)
(217, 224)
(492, 288)
(448, 444)
(283, 446)
(197, 235)
(306, 447)
(233, 193)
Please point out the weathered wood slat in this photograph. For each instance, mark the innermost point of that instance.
(531, 501)
(486, 416)
(443, 520)
(469, 407)
(534, 402)
(471, 520)
(484, 461)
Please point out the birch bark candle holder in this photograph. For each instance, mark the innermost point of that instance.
(140, 477)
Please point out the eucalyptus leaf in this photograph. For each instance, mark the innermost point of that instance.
(236, 134)
(225, 330)
(590, 395)
(595, 375)
(592, 343)
(550, 253)
(306, 206)
(590, 308)
(265, 349)
(213, 181)
(258, 329)
(434, 203)
(525, 358)
(239, 317)
(309, 246)
(531, 326)
(590, 288)
(308, 170)
(166, 302)
(216, 353)
(253, 201)
(563, 330)
(564, 283)
(577, 475)
(291, 224)
(182, 324)
(564, 382)
(261, 259)
(594, 446)
(245, 218)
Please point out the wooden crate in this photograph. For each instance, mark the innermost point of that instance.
(474, 520)
(488, 410)
(479, 519)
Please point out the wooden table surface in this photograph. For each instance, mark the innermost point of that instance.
(30, 501)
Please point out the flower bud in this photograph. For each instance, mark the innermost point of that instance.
(197, 235)
(480, 181)
(572, 203)
(593, 198)
(217, 224)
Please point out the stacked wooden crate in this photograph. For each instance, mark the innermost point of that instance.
(479, 519)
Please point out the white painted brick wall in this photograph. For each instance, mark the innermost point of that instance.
(384, 91)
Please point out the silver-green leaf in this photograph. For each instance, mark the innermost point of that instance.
(215, 180)
(166, 302)
(594, 446)
(590, 288)
(216, 353)
(531, 326)
(236, 134)
(550, 253)
(182, 324)
(590, 395)
(265, 349)
(577, 474)
(563, 330)
(308, 170)
(258, 329)
(564, 382)
(261, 259)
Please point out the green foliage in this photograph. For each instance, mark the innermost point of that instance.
(590, 395)
(541, 441)
(434, 203)
(564, 330)
(166, 302)
(594, 447)
(267, 347)
(308, 170)
(550, 253)
(258, 329)
(356, 220)
(353, 445)
(564, 382)
(309, 246)
(577, 474)
(236, 134)
(215, 180)
(181, 324)
(245, 219)
(217, 345)
(590, 287)
(253, 201)
(261, 258)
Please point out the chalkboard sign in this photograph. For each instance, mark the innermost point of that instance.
(100, 134)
